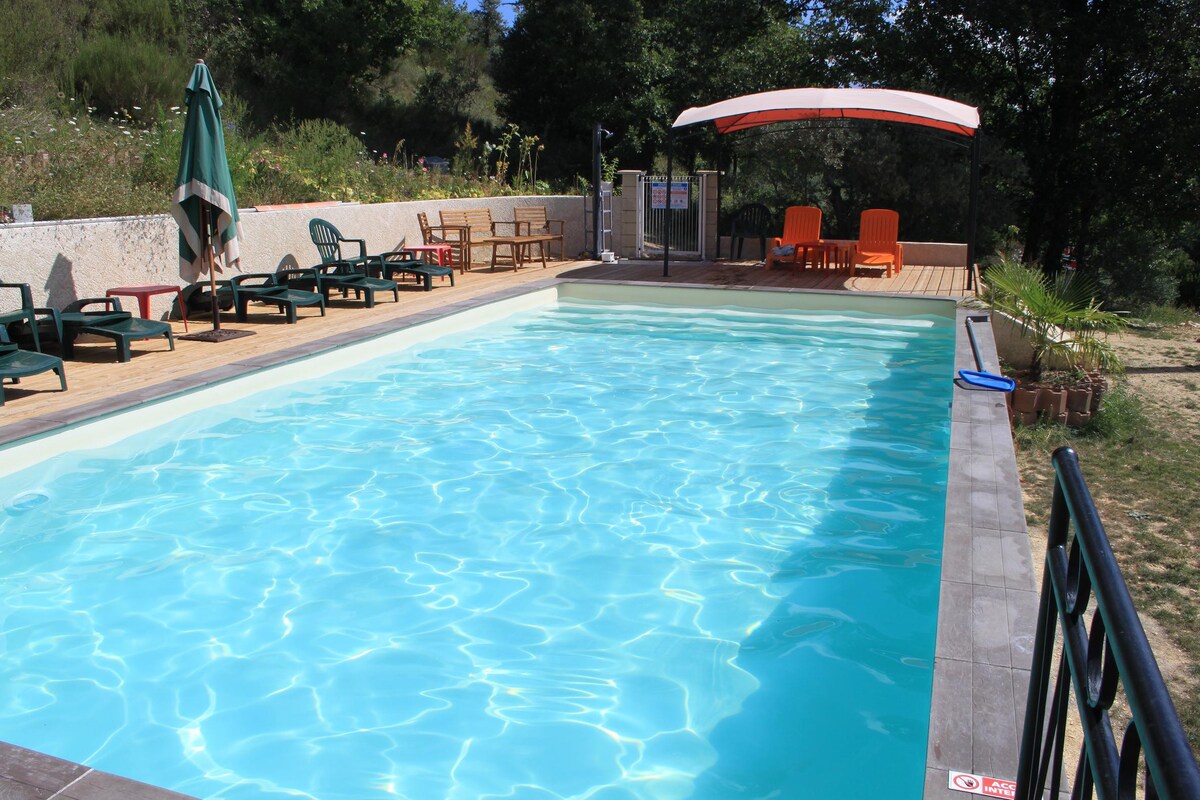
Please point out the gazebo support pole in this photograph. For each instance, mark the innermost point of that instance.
(973, 208)
(667, 210)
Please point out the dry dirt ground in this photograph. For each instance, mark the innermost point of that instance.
(1163, 367)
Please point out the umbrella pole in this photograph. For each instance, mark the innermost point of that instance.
(208, 256)
(206, 241)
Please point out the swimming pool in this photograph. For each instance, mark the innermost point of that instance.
(586, 551)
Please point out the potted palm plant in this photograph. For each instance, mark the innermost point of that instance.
(1059, 318)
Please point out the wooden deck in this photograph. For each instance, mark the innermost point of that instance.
(95, 375)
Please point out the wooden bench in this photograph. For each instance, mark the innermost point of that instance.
(472, 227)
(531, 221)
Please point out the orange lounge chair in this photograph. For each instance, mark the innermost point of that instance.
(877, 245)
(802, 234)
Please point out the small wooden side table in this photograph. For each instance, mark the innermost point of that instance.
(143, 293)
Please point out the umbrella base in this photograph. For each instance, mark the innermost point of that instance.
(216, 336)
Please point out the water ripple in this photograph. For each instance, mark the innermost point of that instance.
(627, 553)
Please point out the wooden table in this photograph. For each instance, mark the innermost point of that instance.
(518, 246)
(143, 291)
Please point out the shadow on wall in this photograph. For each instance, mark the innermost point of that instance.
(60, 284)
(288, 262)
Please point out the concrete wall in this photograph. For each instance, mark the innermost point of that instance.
(65, 261)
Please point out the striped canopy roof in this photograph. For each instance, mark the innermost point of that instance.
(785, 105)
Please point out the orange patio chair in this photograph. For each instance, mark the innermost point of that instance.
(801, 231)
(877, 245)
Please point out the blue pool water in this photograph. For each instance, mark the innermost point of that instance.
(603, 552)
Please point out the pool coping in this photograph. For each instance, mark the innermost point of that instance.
(987, 603)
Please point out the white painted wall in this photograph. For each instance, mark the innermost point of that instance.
(69, 260)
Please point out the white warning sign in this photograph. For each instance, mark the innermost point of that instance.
(982, 785)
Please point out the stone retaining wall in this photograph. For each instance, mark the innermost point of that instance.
(68, 260)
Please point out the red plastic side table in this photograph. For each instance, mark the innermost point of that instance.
(443, 252)
(143, 293)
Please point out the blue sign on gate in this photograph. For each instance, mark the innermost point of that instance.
(679, 195)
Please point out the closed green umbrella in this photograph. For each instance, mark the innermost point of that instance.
(204, 205)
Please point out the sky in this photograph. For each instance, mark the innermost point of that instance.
(507, 9)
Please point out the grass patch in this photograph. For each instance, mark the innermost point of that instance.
(1142, 471)
(1169, 315)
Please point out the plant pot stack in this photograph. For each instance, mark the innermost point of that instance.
(1072, 406)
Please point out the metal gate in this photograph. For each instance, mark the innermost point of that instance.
(660, 202)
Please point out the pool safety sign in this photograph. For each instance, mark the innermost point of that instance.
(678, 195)
(982, 785)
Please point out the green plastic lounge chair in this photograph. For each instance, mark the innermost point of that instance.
(329, 242)
(27, 314)
(16, 364)
(112, 323)
(405, 262)
(346, 276)
(198, 302)
(273, 289)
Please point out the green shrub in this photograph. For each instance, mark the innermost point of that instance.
(147, 20)
(35, 45)
(1120, 417)
(326, 157)
(129, 76)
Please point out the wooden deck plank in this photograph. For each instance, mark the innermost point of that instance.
(96, 375)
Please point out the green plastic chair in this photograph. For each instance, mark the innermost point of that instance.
(329, 240)
(28, 314)
(16, 364)
(338, 270)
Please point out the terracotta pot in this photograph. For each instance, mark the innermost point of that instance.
(1052, 402)
(1027, 417)
(1024, 399)
(1079, 399)
(1077, 419)
(1099, 387)
(1058, 419)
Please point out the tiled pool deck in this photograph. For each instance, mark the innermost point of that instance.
(988, 587)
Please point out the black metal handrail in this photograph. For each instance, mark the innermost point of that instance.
(1097, 659)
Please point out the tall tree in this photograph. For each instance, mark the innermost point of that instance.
(567, 64)
(1097, 96)
(488, 24)
(635, 64)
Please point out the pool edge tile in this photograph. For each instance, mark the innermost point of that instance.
(988, 597)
